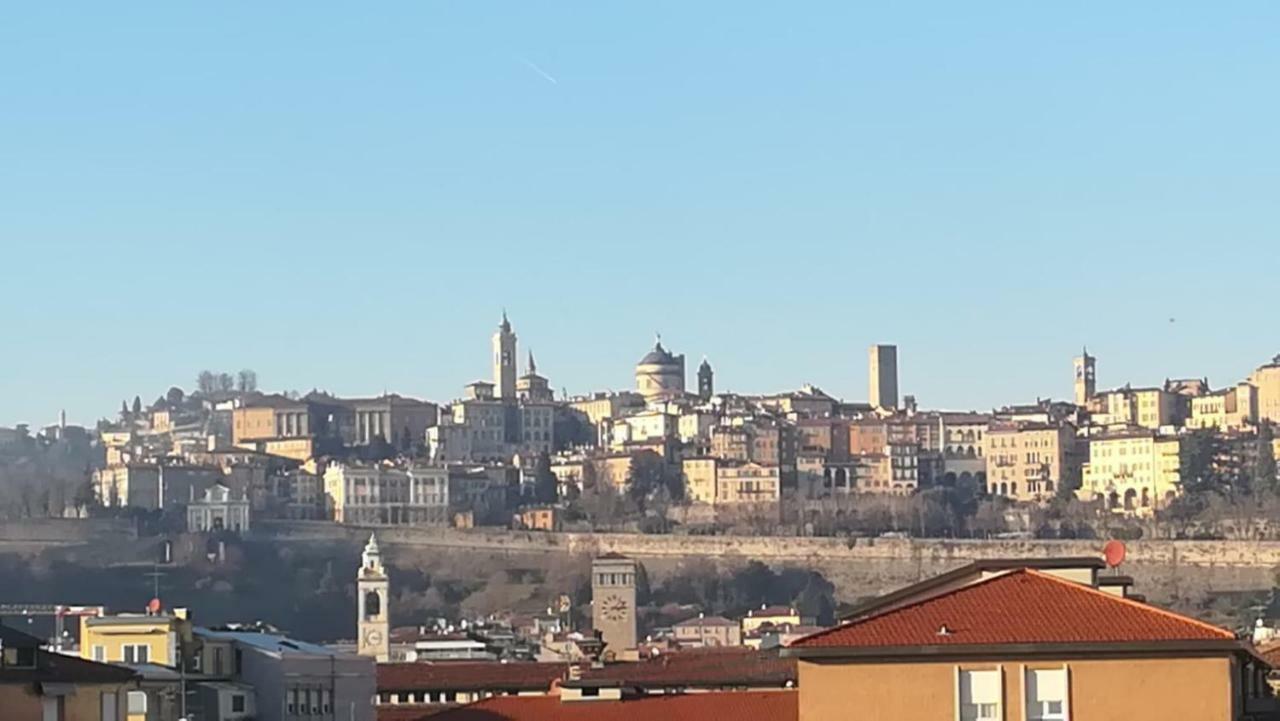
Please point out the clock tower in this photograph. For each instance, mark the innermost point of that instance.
(373, 624)
(504, 360)
(613, 604)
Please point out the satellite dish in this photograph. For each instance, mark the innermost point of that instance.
(1113, 552)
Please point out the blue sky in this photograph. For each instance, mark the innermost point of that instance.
(345, 196)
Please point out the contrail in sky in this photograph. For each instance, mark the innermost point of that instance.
(538, 70)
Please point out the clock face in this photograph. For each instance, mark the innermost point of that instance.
(613, 608)
(372, 637)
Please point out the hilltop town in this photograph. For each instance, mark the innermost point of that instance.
(400, 536)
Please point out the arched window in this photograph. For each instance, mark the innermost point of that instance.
(1113, 501)
(1004, 489)
(1048, 486)
(372, 604)
(1013, 488)
(1146, 499)
(1130, 497)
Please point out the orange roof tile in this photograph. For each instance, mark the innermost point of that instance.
(1023, 607)
(753, 705)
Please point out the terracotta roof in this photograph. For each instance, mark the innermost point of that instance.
(730, 667)
(1020, 607)
(705, 621)
(1270, 652)
(753, 705)
(468, 676)
(974, 569)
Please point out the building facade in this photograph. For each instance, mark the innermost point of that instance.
(1134, 472)
(381, 494)
(1030, 461)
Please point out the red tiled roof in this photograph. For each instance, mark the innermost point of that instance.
(408, 713)
(730, 667)
(1270, 652)
(468, 676)
(745, 705)
(1022, 606)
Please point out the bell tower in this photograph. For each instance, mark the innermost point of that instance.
(1086, 378)
(706, 381)
(504, 360)
(373, 621)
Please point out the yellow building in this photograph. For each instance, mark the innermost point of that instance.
(771, 615)
(1152, 408)
(135, 638)
(1029, 461)
(747, 483)
(1132, 472)
(1227, 410)
(699, 479)
(1267, 380)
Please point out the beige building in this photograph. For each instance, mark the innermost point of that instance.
(883, 365)
(747, 483)
(660, 374)
(963, 446)
(1132, 472)
(1231, 409)
(756, 442)
(1025, 645)
(1152, 408)
(272, 416)
(380, 494)
(1267, 380)
(1029, 461)
(707, 632)
(603, 406)
(770, 616)
(699, 479)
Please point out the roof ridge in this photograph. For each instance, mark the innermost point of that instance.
(886, 611)
(1130, 602)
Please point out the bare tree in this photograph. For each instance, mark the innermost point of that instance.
(247, 381)
(206, 382)
(225, 383)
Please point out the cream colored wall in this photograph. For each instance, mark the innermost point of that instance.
(1007, 453)
(252, 423)
(1100, 690)
(1267, 381)
(1140, 464)
(700, 479)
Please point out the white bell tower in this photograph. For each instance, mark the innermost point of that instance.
(373, 622)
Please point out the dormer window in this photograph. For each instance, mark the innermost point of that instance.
(20, 657)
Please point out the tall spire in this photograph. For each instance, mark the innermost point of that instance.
(506, 324)
(533, 367)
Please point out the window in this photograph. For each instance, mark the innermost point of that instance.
(99, 653)
(979, 694)
(1046, 693)
(137, 702)
(136, 653)
(237, 703)
(110, 712)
